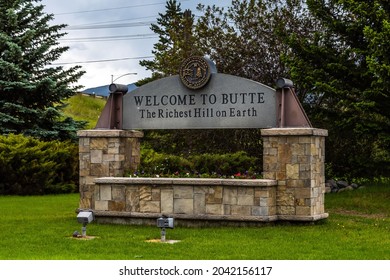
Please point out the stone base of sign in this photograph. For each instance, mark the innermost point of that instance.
(293, 187)
(105, 153)
(295, 157)
(126, 200)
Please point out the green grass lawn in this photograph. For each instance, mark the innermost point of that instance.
(40, 227)
(85, 108)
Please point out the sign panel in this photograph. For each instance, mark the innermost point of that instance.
(226, 101)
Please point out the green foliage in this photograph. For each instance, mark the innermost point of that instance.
(238, 165)
(241, 39)
(335, 51)
(29, 166)
(153, 163)
(31, 91)
(339, 67)
(176, 41)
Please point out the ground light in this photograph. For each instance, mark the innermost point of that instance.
(84, 218)
(164, 223)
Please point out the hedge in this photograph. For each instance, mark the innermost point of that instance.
(32, 167)
(238, 165)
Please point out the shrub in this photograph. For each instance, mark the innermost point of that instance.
(29, 166)
(237, 164)
(153, 163)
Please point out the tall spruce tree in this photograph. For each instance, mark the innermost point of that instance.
(31, 90)
(343, 65)
(176, 40)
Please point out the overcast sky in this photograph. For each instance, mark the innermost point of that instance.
(108, 38)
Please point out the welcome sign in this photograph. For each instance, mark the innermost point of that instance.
(199, 99)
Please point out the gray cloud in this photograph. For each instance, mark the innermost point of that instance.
(104, 30)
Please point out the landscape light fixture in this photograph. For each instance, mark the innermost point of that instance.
(118, 88)
(284, 83)
(84, 218)
(164, 222)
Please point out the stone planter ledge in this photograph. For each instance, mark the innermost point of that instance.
(185, 181)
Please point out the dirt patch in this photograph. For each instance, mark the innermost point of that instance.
(88, 237)
(159, 241)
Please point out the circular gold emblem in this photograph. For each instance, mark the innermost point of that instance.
(195, 72)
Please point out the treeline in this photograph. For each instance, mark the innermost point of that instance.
(335, 52)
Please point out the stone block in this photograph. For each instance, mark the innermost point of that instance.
(108, 157)
(98, 143)
(264, 201)
(227, 209)
(119, 193)
(83, 149)
(297, 149)
(245, 191)
(145, 193)
(167, 201)
(183, 206)
(300, 202)
(119, 157)
(113, 150)
(132, 199)
(199, 203)
(150, 206)
(245, 199)
(84, 172)
(96, 193)
(99, 169)
(286, 210)
(260, 211)
(292, 171)
(85, 203)
(284, 153)
(184, 192)
(116, 205)
(96, 156)
(239, 210)
(101, 205)
(105, 192)
(230, 195)
(156, 194)
(304, 139)
(214, 209)
(303, 159)
(200, 189)
(285, 199)
(302, 193)
(214, 195)
(303, 211)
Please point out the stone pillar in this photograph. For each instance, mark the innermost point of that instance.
(105, 153)
(295, 157)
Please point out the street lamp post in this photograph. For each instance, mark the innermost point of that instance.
(127, 74)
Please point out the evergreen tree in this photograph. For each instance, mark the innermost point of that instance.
(176, 41)
(31, 90)
(343, 65)
(242, 39)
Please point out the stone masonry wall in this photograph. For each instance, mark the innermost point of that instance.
(105, 153)
(293, 187)
(197, 199)
(295, 157)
